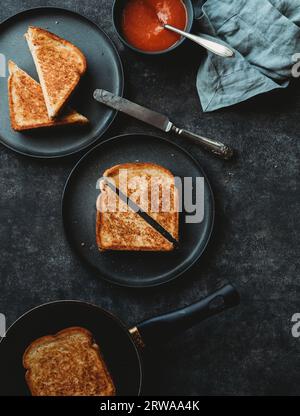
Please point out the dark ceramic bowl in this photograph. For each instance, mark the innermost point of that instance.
(117, 12)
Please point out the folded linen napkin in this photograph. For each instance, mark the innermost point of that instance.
(265, 35)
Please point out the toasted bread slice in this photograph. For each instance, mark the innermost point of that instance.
(59, 64)
(119, 227)
(67, 364)
(27, 105)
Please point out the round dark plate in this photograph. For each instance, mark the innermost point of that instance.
(133, 269)
(110, 334)
(104, 71)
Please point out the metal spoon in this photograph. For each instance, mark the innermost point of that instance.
(210, 45)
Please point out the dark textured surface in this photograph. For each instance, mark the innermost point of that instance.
(249, 350)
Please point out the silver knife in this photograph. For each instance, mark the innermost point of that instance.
(160, 121)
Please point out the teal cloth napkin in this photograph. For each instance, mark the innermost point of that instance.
(265, 35)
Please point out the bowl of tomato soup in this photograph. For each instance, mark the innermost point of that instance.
(139, 23)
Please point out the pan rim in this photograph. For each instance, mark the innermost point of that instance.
(89, 304)
(106, 277)
(122, 84)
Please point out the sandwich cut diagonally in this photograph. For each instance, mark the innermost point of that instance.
(27, 105)
(60, 66)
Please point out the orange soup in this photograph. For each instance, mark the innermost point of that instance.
(142, 23)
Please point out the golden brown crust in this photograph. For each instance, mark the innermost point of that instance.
(50, 338)
(114, 170)
(164, 244)
(65, 334)
(59, 64)
(65, 42)
(27, 106)
(10, 103)
(64, 121)
(127, 228)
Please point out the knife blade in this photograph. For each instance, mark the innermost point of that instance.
(134, 110)
(159, 121)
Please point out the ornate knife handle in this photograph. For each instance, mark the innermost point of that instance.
(219, 149)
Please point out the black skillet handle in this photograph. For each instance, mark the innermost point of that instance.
(164, 327)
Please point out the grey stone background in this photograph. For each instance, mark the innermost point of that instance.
(255, 244)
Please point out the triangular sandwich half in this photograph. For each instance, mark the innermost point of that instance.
(27, 105)
(59, 64)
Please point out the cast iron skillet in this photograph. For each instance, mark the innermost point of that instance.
(142, 269)
(118, 6)
(121, 347)
(104, 69)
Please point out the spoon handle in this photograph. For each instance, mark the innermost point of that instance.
(210, 45)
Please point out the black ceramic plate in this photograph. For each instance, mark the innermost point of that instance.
(104, 71)
(79, 212)
(116, 345)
